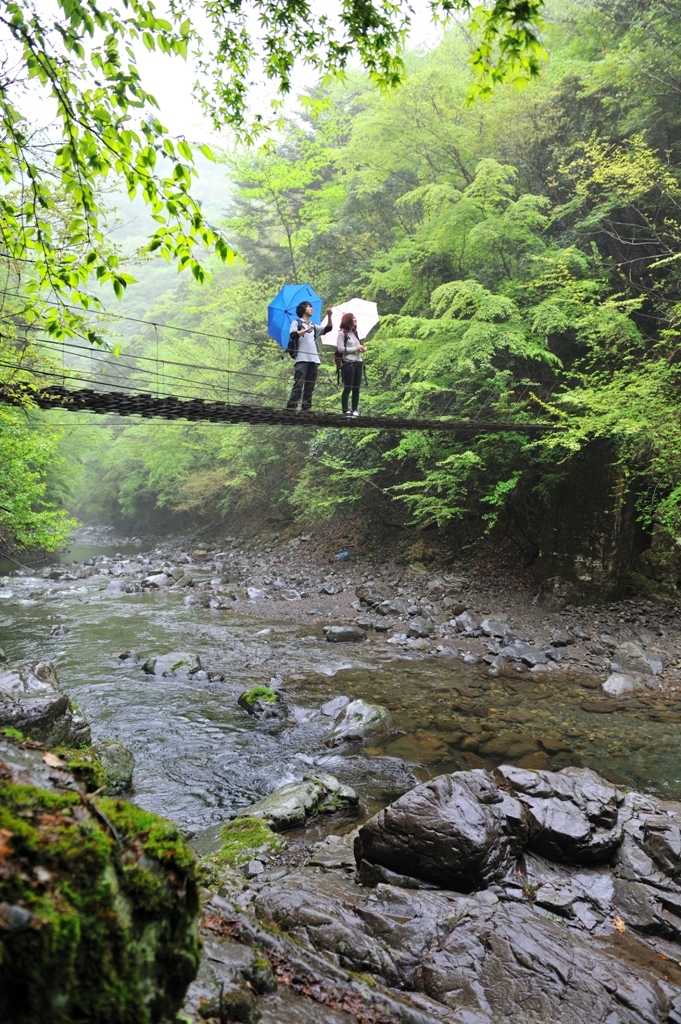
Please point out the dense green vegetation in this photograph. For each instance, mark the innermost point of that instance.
(525, 257)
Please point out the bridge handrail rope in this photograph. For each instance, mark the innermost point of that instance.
(111, 384)
(104, 357)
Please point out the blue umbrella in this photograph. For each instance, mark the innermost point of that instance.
(282, 310)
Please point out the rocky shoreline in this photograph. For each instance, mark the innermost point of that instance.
(417, 611)
(475, 898)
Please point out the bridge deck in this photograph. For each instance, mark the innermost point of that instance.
(171, 408)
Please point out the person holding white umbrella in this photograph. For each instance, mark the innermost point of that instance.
(348, 352)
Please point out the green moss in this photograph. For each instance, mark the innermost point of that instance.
(243, 835)
(333, 803)
(111, 937)
(263, 693)
(85, 765)
(13, 734)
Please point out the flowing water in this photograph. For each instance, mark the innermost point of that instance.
(200, 758)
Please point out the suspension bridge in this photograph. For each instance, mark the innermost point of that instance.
(160, 386)
(172, 407)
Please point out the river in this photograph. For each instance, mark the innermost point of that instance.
(200, 758)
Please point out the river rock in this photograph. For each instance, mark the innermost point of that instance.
(475, 958)
(359, 721)
(618, 684)
(518, 651)
(344, 634)
(420, 627)
(157, 580)
(263, 702)
(631, 658)
(373, 593)
(100, 906)
(460, 831)
(32, 702)
(293, 803)
(334, 706)
(177, 663)
(562, 638)
(495, 627)
(334, 852)
(118, 762)
(467, 623)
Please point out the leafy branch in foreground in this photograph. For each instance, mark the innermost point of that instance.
(100, 124)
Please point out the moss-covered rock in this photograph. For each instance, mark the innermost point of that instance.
(243, 837)
(118, 763)
(84, 765)
(262, 702)
(293, 803)
(98, 905)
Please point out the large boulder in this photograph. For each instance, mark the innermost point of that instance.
(344, 634)
(359, 721)
(458, 831)
(373, 593)
(572, 815)
(466, 831)
(98, 904)
(32, 702)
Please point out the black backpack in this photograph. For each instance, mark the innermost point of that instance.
(292, 347)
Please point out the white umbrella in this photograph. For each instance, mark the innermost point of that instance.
(365, 312)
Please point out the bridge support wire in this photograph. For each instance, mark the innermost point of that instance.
(195, 409)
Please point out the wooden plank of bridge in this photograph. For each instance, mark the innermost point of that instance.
(195, 409)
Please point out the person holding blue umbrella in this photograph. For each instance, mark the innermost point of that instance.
(302, 346)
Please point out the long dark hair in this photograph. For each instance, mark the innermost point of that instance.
(346, 323)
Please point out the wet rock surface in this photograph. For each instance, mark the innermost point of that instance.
(359, 721)
(32, 702)
(458, 831)
(533, 938)
(293, 803)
